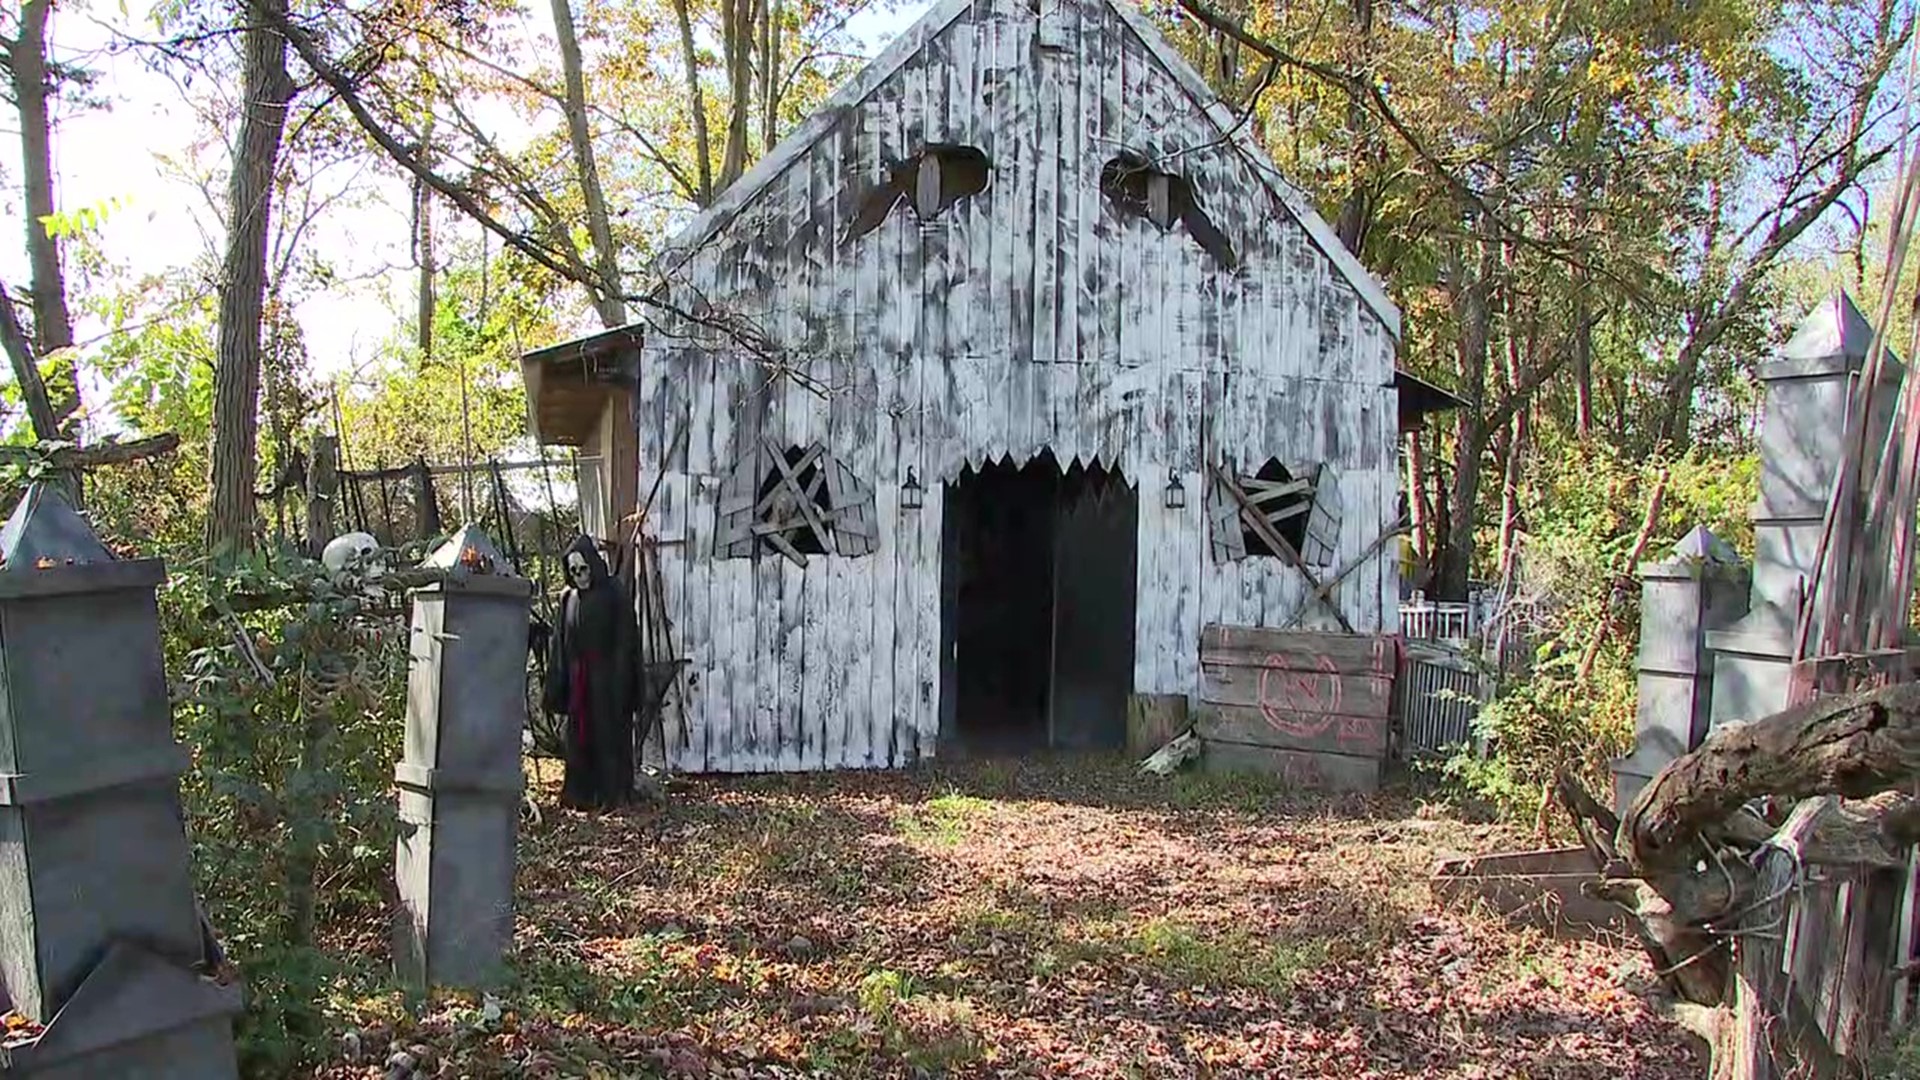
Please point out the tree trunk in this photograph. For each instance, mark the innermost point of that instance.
(1455, 557)
(1676, 421)
(52, 325)
(1419, 499)
(1356, 211)
(1582, 364)
(609, 297)
(1515, 434)
(769, 74)
(697, 103)
(736, 31)
(266, 91)
(425, 299)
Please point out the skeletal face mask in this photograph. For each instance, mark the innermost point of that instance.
(578, 572)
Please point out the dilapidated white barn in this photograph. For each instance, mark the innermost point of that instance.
(1039, 315)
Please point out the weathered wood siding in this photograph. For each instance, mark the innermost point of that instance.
(1030, 316)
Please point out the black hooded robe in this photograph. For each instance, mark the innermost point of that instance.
(590, 679)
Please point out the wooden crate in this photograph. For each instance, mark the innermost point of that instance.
(1306, 706)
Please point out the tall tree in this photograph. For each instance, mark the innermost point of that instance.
(34, 82)
(1833, 131)
(609, 297)
(267, 90)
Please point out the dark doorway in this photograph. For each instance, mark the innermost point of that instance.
(1037, 607)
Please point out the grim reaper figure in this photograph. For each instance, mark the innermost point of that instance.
(590, 678)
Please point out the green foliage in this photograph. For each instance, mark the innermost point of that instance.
(157, 355)
(292, 714)
(1898, 1057)
(63, 224)
(1189, 955)
(943, 820)
(467, 398)
(1583, 513)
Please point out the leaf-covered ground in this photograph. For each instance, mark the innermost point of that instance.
(1053, 918)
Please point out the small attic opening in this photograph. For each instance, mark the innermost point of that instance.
(1286, 502)
(929, 183)
(1135, 186)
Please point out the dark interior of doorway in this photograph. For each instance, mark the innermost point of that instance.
(1037, 610)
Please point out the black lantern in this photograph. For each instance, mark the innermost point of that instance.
(1176, 492)
(910, 492)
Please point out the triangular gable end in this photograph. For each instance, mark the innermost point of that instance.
(730, 202)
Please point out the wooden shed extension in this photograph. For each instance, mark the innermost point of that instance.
(580, 394)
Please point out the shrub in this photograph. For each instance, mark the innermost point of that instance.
(289, 692)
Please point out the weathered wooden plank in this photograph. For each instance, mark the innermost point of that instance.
(960, 102)
(926, 564)
(764, 753)
(687, 569)
(1046, 208)
(1347, 652)
(731, 731)
(1551, 899)
(1294, 687)
(1324, 772)
(853, 637)
(1331, 733)
(1154, 719)
(1077, 341)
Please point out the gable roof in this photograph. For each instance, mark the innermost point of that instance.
(943, 14)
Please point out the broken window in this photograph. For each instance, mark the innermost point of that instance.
(929, 182)
(1276, 514)
(794, 502)
(1135, 185)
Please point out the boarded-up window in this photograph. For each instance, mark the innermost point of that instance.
(794, 502)
(1301, 512)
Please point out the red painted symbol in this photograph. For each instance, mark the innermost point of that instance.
(1303, 704)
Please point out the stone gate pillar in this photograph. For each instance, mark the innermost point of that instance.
(99, 932)
(1801, 440)
(459, 778)
(1700, 587)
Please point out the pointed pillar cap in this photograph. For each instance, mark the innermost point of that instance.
(470, 548)
(45, 532)
(1701, 545)
(1835, 329)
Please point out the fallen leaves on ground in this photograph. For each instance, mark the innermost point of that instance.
(1054, 918)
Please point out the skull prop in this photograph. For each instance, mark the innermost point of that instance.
(354, 552)
(578, 572)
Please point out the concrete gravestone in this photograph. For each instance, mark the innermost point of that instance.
(99, 931)
(460, 779)
(1801, 440)
(1701, 587)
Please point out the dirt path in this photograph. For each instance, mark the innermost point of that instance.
(1053, 919)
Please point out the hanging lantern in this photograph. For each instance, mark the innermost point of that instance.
(1176, 492)
(911, 494)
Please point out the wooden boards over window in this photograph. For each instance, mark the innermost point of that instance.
(794, 501)
(1303, 514)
